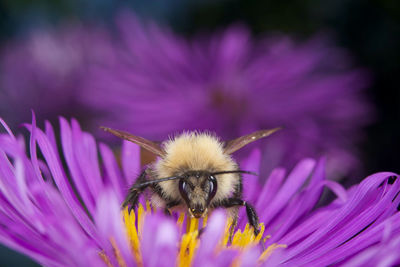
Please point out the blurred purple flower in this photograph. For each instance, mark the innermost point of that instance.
(153, 83)
(44, 71)
(149, 81)
(53, 213)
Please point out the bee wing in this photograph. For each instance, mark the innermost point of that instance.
(238, 143)
(146, 144)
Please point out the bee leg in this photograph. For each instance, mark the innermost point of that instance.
(252, 217)
(232, 229)
(250, 211)
(167, 212)
(134, 193)
(170, 205)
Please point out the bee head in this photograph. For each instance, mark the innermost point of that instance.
(197, 189)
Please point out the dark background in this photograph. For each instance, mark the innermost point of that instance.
(370, 30)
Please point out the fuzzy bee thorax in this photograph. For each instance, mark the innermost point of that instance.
(196, 152)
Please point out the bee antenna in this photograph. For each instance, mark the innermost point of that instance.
(155, 181)
(235, 171)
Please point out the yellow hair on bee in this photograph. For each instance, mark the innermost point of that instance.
(196, 151)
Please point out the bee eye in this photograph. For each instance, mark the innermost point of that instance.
(182, 186)
(213, 187)
(183, 189)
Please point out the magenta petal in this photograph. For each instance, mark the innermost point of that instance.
(250, 257)
(252, 163)
(38, 222)
(210, 238)
(80, 182)
(358, 243)
(61, 182)
(112, 171)
(293, 182)
(271, 187)
(251, 189)
(109, 222)
(160, 237)
(85, 153)
(385, 254)
(299, 205)
(130, 162)
(345, 221)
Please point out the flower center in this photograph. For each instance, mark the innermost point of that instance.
(190, 241)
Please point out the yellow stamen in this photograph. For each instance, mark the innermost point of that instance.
(194, 224)
(132, 234)
(205, 221)
(189, 244)
(140, 217)
(188, 221)
(117, 253)
(260, 234)
(225, 239)
(236, 238)
(246, 238)
(269, 251)
(148, 207)
(180, 221)
(266, 238)
(242, 239)
(104, 257)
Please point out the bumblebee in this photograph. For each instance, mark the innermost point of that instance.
(194, 173)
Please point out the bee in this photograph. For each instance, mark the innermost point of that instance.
(194, 173)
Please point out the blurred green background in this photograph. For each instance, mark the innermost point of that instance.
(370, 30)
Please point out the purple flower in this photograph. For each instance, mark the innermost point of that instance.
(155, 83)
(147, 80)
(53, 212)
(44, 72)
